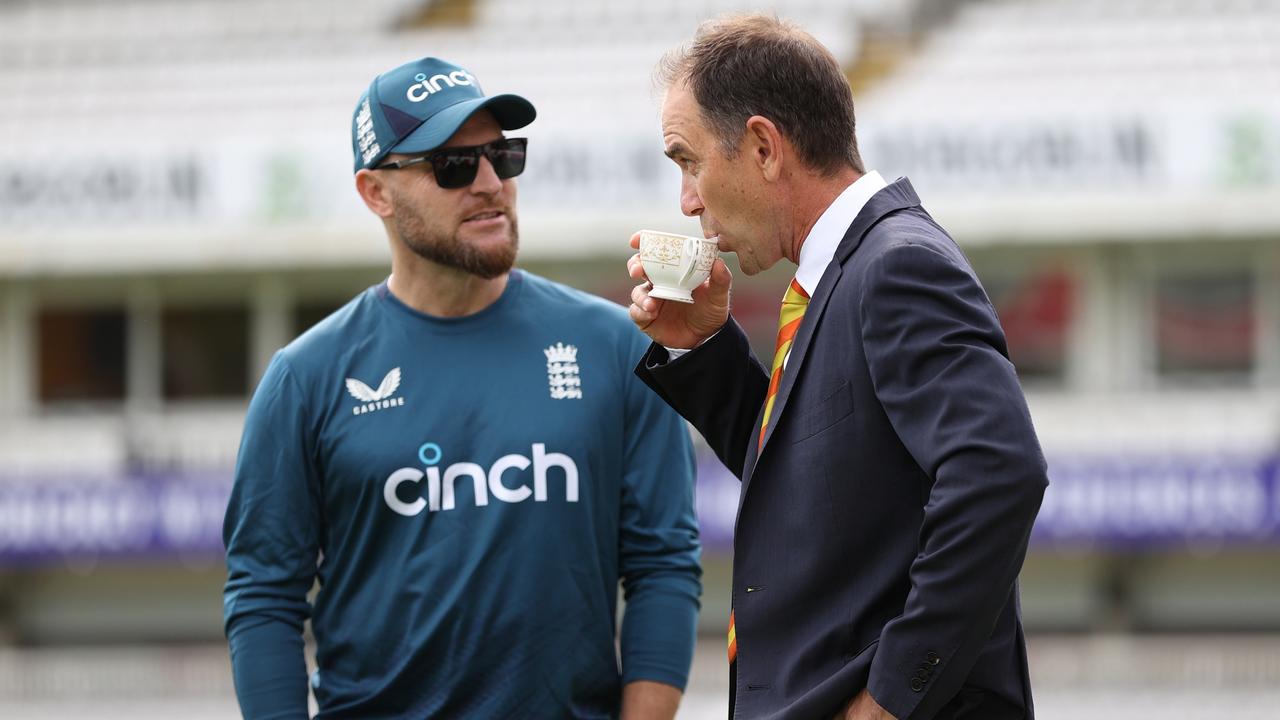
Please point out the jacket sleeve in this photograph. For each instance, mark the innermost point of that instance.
(659, 549)
(271, 532)
(719, 387)
(939, 366)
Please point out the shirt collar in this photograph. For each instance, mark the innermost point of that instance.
(820, 244)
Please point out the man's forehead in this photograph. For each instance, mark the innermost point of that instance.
(678, 100)
(680, 120)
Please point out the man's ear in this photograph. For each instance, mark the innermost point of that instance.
(373, 190)
(767, 149)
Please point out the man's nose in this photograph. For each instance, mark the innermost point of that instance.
(487, 181)
(690, 202)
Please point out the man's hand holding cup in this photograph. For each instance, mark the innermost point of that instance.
(684, 296)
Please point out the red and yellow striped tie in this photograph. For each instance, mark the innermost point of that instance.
(794, 303)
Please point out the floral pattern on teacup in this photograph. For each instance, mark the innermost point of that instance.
(666, 249)
(707, 254)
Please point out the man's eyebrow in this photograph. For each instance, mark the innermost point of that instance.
(674, 150)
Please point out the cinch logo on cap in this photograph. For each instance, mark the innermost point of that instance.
(426, 86)
(397, 114)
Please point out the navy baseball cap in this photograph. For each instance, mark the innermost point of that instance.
(421, 104)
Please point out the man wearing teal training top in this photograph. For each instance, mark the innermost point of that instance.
(463, 459)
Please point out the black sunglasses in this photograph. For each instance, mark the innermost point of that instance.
(456, 167)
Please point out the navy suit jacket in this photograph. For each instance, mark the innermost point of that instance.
(882, 527)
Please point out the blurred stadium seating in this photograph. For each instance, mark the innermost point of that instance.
(176, 204)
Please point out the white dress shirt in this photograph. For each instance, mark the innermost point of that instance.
(820, 244)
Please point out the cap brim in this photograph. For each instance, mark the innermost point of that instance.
(511, 112)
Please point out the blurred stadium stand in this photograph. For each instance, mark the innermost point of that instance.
(176, 204)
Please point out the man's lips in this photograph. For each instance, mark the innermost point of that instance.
(485, 215)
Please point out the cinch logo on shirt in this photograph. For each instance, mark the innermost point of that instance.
(441, 492)
(379, 399)
(426, 86)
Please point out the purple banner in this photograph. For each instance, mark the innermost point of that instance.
(161, 516)
(1127, 502)
(1163, 500)
(1131, 501)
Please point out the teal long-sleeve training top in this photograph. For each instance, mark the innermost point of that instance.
(468, 492)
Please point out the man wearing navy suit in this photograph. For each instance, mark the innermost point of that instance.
(890, 471)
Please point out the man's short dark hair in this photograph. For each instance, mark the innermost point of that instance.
(743, 65)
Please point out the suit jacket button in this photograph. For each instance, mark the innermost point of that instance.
(933, 658)
(917, 684)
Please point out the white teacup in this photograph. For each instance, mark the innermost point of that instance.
(676, 264)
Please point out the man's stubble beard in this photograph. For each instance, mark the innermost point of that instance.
(452, 251)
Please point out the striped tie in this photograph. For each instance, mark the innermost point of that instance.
(733, 640)
(794, 303)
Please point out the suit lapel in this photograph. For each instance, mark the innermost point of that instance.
(753, 454)
(800, 345)
(898, 195)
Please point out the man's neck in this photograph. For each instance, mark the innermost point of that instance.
(812, 196)
(442, 291)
